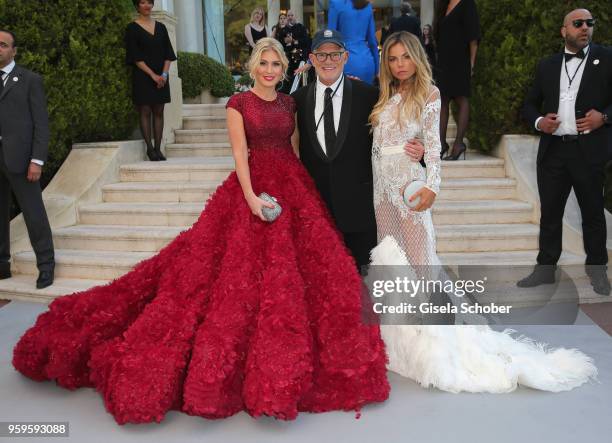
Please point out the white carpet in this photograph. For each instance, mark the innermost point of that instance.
(412, 414)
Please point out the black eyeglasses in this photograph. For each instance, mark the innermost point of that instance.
(334, 56)
(590, 22)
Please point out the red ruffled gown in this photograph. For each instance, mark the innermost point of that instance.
(235, 314)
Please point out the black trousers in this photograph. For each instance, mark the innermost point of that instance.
(360, 244)
(29, 197)
(564, 167)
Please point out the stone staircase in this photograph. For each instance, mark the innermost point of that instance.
(478, 218)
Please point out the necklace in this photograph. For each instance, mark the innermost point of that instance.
(262, 96)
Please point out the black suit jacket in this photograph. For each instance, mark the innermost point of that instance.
(345, 179)
(24, 123)
(595, 92)
(407, 23)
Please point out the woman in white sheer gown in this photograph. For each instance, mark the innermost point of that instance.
(449, 357)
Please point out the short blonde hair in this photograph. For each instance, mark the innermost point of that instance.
(263, 45)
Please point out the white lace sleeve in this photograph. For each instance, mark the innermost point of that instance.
(431, 140)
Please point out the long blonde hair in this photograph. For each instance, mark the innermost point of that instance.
(263, 45)
(421, 81)
(262, 22)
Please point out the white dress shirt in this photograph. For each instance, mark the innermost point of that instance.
(566, 113)
(7, 71)
(320, 107)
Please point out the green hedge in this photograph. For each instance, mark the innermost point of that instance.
(77, 46)
(199, 72)
(245, 80)
(516, 35)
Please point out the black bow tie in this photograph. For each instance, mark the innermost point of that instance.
(579, 54)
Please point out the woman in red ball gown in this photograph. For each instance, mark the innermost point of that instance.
(236, 313)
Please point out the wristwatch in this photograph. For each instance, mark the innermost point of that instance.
(604, 116)
(165, 75)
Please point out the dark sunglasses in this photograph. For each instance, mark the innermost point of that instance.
(590, 22)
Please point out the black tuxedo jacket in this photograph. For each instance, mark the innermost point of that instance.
(407, 23)
(595, 92)
(24, 124)
(344, 180)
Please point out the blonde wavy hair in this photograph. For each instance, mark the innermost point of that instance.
(262, 22)
(263, 45)
(420, 82)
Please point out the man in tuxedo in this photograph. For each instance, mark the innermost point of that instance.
(407, 21)
(296, 43)
(336, 143)
(569, 104)
(24, 140)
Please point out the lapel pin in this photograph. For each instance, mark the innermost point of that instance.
(596, 61)
(15, 79)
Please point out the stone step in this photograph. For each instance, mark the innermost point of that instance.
(200, 168)
(178, 170)
(504, 258)
(199, 110)
(205, 122)
(115, 238)
(216, 149)
(201, 135)
(70, 263)
(487, 237)
(140, 214)
(198, 149)
(23, 287)
(447, 212)
(143, 192)
(475, 165)
(464, 189)
(196, 135)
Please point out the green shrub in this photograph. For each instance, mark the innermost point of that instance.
(199, 72)
(516, 35)
(245, 81)
(77, 46)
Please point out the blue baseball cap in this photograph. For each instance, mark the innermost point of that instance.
(327, 36)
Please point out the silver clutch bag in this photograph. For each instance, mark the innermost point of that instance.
(270, 214)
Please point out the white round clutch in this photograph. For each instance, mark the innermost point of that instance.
(410, 190)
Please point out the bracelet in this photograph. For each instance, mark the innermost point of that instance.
(165, 75)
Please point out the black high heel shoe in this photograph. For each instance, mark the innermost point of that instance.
(458, 149)
(160, 156)
(444, 149)
(152, 154)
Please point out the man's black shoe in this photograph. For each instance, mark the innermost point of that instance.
(45, 278)
(599, 278)
(5, 270)
(600, 283)
(541, 275)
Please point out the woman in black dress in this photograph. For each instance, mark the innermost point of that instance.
(256, 29)
(430, 48)
(278, 28)
(150, 51)
(457, 30)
